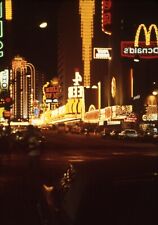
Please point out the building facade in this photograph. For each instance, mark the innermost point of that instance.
(22, 88)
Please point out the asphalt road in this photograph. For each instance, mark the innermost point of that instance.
(116, 182)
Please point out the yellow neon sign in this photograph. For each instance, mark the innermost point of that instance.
(87, 10)
(8, 9)
(147, 33)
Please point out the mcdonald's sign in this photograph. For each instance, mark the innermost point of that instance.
(143, 49)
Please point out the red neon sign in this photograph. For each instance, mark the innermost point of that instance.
(129, 50)
(106, 16)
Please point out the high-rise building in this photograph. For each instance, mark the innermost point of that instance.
(22, 88)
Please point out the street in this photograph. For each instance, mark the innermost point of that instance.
(116, 182)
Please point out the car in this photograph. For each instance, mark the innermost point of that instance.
(128, 133)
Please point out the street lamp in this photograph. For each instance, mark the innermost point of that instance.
(43, 25)
(155, 93)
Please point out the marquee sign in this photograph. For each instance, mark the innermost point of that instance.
(143, 49)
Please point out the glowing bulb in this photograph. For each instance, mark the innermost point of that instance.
(43, 25)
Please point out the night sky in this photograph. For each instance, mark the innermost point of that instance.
(36, 45)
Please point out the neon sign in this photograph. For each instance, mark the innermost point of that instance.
(147, 34)
(129, 50)
(76, 91)
(4, 80)
(106, 16)
(8, 9)
(143, 49)
(87, 11)
(1, 30)
(102, 53)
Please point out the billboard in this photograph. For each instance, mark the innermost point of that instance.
(144, 49)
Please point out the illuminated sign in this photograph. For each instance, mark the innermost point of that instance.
(8, 9)
(52, 89)
(147, 33)
(1, 29)
(143, 49)
(129, 50)
(48, 100)
(131, 118)
(113, 87)
(87, 11)
(106, 16)
(51, 92)
(92, 116)
(76, 91)
(102, 53)
(4, 80)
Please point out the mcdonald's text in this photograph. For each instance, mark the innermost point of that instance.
(143, 51)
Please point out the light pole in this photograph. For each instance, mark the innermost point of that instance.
(155, 93)
(98, 98)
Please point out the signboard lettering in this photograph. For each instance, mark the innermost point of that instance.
(75, 92)
(102, 53)
(4, 80)
(143, 49)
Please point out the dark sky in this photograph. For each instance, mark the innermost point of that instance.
(36, 45)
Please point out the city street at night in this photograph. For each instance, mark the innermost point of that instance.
(115, 182)
(78, 112)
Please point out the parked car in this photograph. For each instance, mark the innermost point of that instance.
(128, 133)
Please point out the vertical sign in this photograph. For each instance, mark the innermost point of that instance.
(4, 80)
(1, 29)
(76, 91)
(106, 16)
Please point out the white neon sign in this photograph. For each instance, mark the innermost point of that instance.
(101, 53)
(4, 80)
(76, 91)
